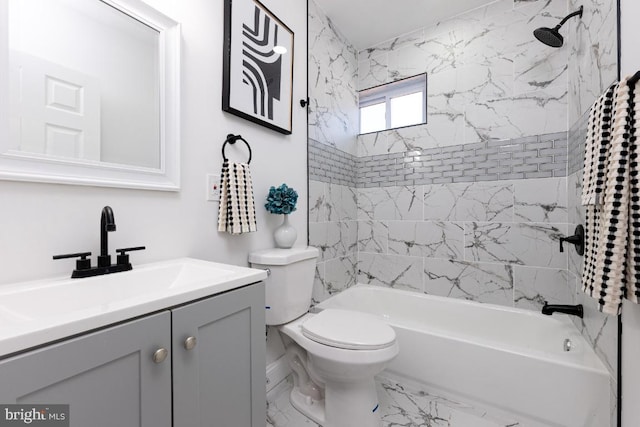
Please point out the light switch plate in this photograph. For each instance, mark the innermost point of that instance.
(213, 187)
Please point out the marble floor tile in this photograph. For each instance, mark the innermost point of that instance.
(402, 405)
(280, 412)
(407, 405)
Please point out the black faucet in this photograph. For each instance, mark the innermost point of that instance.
(107, 224)
(575, 310)
(83, 265)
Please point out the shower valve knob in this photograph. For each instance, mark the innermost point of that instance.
(577, 239)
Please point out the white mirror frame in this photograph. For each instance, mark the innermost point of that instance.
(21, 166)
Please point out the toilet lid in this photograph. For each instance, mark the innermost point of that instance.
(349, 330)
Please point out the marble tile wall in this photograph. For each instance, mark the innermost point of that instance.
(333, 108)
(488, 78)
(334, 230)
(494, 242)
(478, 240)
(333, 127)
(593, 56)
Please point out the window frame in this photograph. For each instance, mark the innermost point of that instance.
(384, 93)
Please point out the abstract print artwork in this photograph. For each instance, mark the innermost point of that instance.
(258, 65)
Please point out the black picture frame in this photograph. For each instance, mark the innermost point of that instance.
(257, 81)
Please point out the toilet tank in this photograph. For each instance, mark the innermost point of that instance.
(289, 285)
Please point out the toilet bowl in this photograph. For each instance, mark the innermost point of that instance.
(334, 354)
(344, 351)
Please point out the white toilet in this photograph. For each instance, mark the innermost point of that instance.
(334, 354)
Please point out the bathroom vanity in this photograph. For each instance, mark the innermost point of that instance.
(185, 347)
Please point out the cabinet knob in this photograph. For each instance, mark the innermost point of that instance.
(190, 343)
(160, 355)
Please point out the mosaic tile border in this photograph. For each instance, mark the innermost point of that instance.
(329, 164)
(541, 156)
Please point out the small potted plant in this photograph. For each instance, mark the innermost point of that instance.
(282, 201)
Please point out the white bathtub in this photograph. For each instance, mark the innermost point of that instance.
(507, 358)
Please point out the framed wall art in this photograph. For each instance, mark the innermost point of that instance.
(258, 65)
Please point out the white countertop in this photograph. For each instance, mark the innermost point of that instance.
(35, 313)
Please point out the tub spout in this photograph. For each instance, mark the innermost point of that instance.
(575, 310)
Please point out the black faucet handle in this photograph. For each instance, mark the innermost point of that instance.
(125, 250)
(123, 257)
(569, 239)
(577, 239)
(82, 264)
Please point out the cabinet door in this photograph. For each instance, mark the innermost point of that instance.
(221, 381)
(107, 377)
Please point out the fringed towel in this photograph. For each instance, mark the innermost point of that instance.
(611, 195)
(237, 212)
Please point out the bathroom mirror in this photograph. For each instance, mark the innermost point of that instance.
(89, 93)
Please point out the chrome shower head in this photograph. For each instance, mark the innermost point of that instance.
(551, 36)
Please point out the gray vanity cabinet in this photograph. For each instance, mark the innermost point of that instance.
(220, 382)
(141, 372)
(107, 377)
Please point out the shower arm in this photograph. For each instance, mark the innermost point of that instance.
(569, 16)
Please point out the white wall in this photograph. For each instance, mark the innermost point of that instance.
(40, 220)
(629, 33)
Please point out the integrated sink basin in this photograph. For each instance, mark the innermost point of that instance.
(35, 313)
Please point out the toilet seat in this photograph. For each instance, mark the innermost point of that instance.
(348, 330)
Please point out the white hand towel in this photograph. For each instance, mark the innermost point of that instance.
(236, 213)
(611, 269)
(596, 159)
(597, 146)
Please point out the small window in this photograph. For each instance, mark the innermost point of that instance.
(394, 105)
